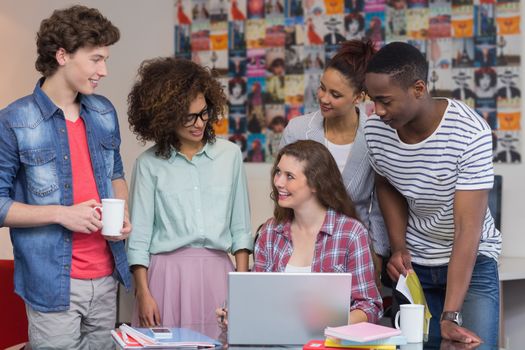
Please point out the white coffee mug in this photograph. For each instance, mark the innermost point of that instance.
(112, 211)
(411, 346)
(412, 320)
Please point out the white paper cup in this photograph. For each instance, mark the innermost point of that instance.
(412, 319)
(112, 211)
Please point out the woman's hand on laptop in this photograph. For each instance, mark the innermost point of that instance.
(222, 317)
(149, 315)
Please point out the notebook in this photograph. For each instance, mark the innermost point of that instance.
(285, 308)
(321, 345)
(361, 332)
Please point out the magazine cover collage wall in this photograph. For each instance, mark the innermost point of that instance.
(269, 56)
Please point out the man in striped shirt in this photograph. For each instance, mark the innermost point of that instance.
(433, 159)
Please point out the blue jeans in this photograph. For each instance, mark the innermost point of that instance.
(481, 306)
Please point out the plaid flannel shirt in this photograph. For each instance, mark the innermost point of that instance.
(341, 246)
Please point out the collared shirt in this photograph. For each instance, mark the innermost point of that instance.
(35, 169)
(341, 246)
(202, 202)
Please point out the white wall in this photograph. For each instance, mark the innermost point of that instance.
(147, 31)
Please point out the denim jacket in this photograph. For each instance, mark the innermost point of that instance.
(35, 169)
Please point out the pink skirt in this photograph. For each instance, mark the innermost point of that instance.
(188, 285)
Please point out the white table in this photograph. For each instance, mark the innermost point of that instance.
(510, 269)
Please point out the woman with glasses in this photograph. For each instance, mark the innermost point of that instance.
(190, 199)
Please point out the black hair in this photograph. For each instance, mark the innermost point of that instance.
(402, 62)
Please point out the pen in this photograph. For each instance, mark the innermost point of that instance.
(223, 308)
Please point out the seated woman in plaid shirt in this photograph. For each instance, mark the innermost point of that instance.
(315, 227)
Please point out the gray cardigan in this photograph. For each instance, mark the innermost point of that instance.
(358, 175)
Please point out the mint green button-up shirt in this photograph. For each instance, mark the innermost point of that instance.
(178, 203)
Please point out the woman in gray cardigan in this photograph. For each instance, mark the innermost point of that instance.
(338, 124)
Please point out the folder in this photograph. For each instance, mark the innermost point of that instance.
(127, 337)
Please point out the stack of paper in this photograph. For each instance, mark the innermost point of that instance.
(362, 335)
(127, 337)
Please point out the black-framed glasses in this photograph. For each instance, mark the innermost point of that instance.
(190, 120)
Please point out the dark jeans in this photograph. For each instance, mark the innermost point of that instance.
(481, 306)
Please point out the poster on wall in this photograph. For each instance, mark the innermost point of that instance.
(270, 54)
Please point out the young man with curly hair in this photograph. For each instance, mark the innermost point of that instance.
(189, 198)
(59, 155)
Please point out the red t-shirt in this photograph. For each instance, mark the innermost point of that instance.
(92, 256)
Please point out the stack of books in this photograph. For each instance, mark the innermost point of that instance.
(126, 337)
(362, 335)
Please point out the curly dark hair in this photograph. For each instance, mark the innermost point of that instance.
(351, 60)
(160, 100)
(322, 174)
(70, 29)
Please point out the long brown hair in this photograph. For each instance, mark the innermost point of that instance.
(322, 174)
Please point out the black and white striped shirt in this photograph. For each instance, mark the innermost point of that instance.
(457, 156)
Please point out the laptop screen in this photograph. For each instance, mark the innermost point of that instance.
(285, 308)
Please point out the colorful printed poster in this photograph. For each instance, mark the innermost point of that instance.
(439, 25)
(237, 10)
(417, 23)
(256, 63)
(464, 88)
(182, 12)
(462, 21)
(200, 36)
(293, 31)
(440, 53)
(294, 59)
(508, 50)
(275, 34)
(314, 7)
(255, 33)
(375, 26)
(509, 121)
(396, 28)
(294, 89)
(354, 26)
(508, 89)
(508, 18)
(334, 7)
(507, 147)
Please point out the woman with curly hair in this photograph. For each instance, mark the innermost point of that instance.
(190, 199)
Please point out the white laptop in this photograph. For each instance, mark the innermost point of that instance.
(285, 308)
